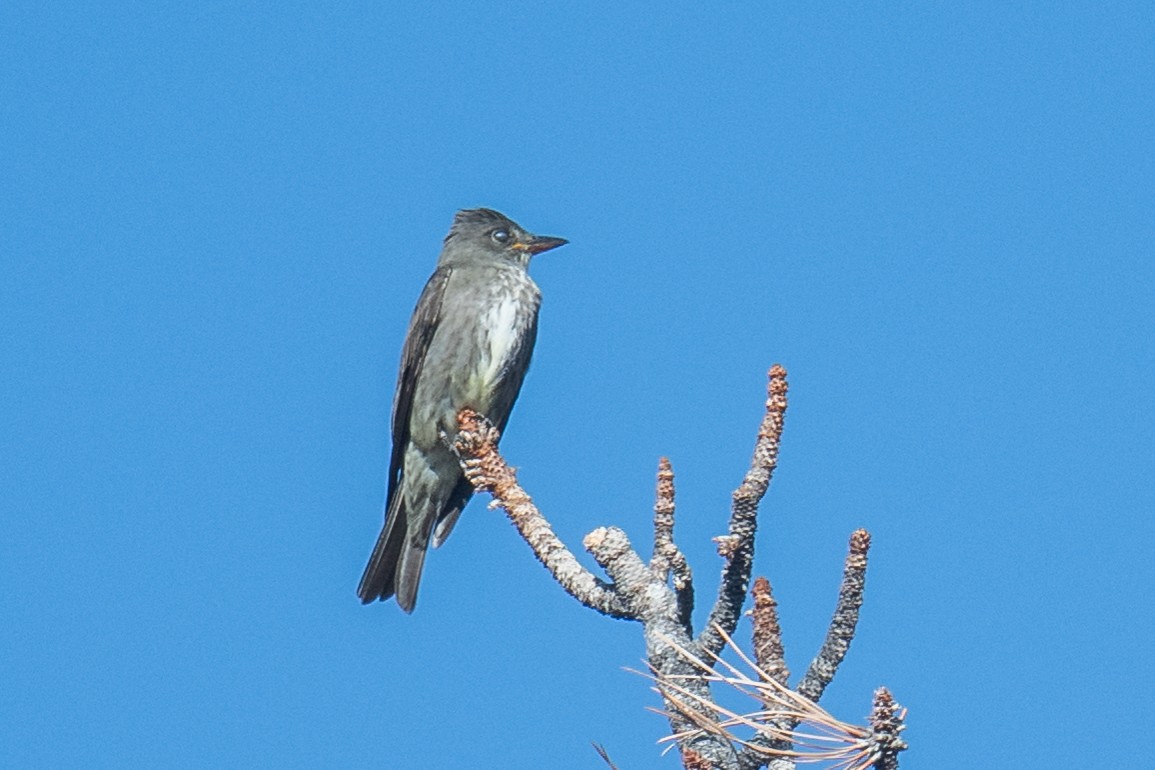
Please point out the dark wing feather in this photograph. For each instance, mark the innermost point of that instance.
(380, 578)
(426, 317)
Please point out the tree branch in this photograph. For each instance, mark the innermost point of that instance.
(612, 551)
(770, 659)
(486, 469)
(635, 594)
(886, 723)
(668, 558)
(738, 546)
(769, 653)
(842, 625)
(660, 595)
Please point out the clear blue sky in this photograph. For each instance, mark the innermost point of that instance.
(214, 222)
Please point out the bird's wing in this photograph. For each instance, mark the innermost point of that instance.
(426, 317)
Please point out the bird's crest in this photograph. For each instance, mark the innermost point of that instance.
(468, 219)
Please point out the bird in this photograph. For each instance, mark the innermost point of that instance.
(469, 344)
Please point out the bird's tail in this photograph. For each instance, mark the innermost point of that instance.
(379, 579)
(397, 559)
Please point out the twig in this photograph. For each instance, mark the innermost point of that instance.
(838, 637)
(886, 722)
(769, 653)
(842, 625)
(668, 558)
(738, 545)
(486, 469)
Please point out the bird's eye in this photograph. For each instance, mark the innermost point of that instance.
(501, 236)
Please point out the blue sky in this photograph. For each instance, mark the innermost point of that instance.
(215, 220)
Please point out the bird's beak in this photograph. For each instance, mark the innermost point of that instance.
(536, 244)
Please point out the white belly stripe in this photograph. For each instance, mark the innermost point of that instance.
(501, 323)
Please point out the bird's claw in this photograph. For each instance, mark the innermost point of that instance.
(450, 442)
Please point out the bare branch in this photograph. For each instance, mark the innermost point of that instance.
(738, 545)
(842, 625)
(486, 469)
(654, 603)
(667, 556)
(770, 665)
(769, 653)
(886, 722)
(788, 726)
(777, 740)
(632, 578)
(635, 594)
(663, 519)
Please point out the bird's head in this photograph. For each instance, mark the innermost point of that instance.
(484, 234)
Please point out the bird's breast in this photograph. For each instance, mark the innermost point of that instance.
(501, 326)
(499, 337)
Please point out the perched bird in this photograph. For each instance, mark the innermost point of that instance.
(468, 345)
